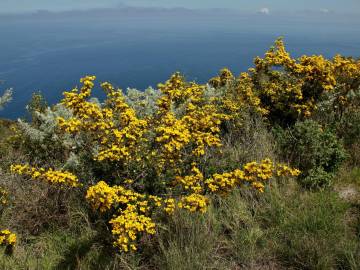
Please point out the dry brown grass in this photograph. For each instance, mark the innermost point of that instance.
(34, 206)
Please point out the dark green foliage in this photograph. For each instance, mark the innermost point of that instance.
(317, 178)
(344, 119)
(316, 151)
(349, 130)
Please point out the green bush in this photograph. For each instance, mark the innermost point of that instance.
(317, 178)
(349, 130)
(344, 118)
(316, 151)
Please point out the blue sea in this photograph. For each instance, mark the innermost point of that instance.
(49, 52)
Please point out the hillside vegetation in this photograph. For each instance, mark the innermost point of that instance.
(255, 171)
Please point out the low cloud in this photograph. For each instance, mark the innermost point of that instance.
(264, 11)
(324, 10)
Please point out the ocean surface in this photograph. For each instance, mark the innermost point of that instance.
(50, 52)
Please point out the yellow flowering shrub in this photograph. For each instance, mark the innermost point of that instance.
(285, 89)
(151, 163)
(347, 73)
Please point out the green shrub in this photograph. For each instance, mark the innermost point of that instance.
(317, 178)
(349, 130)
(317, 152)
(341, 112)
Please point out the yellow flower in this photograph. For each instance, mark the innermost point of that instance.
(7, 238)
(63, 178)
(128, 225)
(254, 174)
(194, 203)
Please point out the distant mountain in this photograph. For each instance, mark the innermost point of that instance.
(126, 11)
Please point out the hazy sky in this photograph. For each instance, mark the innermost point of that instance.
(352, 6)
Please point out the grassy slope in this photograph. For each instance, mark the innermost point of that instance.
(285, 228)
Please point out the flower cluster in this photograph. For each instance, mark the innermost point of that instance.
(118, 139)
(185, 119)
(194, 203)
(62, 178)
(173, 135)
(192, 182)
(102, 197)
(170, 205)
(284, 170)
(225, 182)
(132, 217)
(7, 238)
(224, 78)
(128, 226)
(254, 174)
